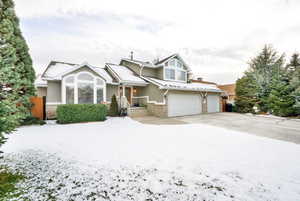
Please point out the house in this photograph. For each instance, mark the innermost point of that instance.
(162, 88)
(229, 91)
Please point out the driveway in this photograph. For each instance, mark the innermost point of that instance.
(271, 127)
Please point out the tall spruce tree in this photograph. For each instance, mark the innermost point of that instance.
(245, 94)
(281, 100)
(266, 69)
(16, 72)
(293, 71)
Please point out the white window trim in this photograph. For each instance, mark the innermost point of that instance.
(176, 68)
(75, 84)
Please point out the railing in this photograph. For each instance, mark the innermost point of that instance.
(139, 101)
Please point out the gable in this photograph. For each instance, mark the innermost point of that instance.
(83, 69)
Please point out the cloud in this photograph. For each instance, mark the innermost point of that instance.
(214, 37)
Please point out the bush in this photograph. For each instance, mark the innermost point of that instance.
(74, 113)
(114, 108)
(31, 120)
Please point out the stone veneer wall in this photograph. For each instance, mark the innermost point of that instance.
(51, 111)
(157, 110)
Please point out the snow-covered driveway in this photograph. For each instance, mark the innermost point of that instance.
(121, 159)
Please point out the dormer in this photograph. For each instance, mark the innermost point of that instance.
(174, 69)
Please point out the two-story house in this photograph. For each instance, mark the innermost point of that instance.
(162, 88)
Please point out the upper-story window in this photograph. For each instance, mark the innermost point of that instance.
(174, 70)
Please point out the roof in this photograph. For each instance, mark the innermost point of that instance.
(163, 84)
(56, 70)
(141, 63)
(204, 82)
(228, 88)
(125, 75)
(39, 82)
(172, 56)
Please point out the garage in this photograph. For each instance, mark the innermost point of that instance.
(184, 104)
(213, 103)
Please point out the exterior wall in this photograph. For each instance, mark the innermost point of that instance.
(154, 93)
(51, 111)
(157, 110)
(54, 92)
(110, 91)
(160, 73)
(41, 91)
(149, 72)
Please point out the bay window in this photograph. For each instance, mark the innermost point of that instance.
(83, 88)
(174, 70)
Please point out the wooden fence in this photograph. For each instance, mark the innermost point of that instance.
(38, 108)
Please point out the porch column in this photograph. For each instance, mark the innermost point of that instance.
(123, 88)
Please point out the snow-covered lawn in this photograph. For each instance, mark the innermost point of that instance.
(121, 159)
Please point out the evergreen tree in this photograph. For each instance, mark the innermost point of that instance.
(266, 69)
(293, 71)
(114, 108)
(16, 72)
(245, 94)
(281, 100)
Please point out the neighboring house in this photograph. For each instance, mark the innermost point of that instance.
(162, 88)
(229, 91)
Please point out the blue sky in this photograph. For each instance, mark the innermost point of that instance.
(216, 38)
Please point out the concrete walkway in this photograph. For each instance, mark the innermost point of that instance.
(276, 128)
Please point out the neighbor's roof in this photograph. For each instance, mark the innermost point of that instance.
(163, 84)
(125, 75)
(56, 70)
(229, 88)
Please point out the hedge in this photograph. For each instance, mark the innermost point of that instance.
(74, 113)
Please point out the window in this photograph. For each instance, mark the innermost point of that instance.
(174, 70)
(181, 75)
(170, 74)
(83, 88)
(70, 94)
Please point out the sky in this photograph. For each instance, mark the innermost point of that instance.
(215, 38)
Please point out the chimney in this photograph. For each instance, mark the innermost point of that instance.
(131, 55)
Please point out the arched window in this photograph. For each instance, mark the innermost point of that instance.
(83, 88)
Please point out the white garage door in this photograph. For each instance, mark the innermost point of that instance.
(184, 104)
(213, 103)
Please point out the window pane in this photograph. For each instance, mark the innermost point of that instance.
(181, 75)
(172, 63)
(70, 80)
(170, 74)
(85, 93)
(85, 77)
(179, 64)
(99, 82)
(100, 95)
(70, 94)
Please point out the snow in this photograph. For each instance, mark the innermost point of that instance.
(125, 74)
(184, 86)
(58, 69)
(121, 159)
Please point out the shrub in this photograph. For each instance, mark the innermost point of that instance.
(31, 120)
(8, 183)
(114, 108)
(73, 113)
